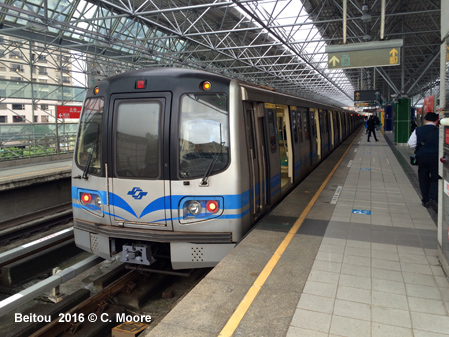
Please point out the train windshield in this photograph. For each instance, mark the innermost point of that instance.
(203, 134)
(137, 138)
(88, 152)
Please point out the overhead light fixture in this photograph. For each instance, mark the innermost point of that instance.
(36, 26)
(365, 16)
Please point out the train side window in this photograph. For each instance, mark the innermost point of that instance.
(300, 125)
(137, 144)
(203, 135)
(272, 129)
(89, 140)
(250, 132)
(294, 126)
(313, 131)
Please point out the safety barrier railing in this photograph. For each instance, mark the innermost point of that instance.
(21, 144)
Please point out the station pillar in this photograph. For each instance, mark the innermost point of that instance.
(388, 124)
(402, 120)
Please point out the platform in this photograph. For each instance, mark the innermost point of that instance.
(24, 175)
(355, 257)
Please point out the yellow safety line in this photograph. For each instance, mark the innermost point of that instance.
(244, 305)
(31, 173)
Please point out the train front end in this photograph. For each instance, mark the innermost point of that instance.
(152, 170)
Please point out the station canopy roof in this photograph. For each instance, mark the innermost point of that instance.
(276, 43)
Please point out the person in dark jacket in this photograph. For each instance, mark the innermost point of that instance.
(427, 157)
(372, 127)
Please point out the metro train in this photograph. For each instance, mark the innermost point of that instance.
(182, 163)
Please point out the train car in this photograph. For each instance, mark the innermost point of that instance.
(182, 163)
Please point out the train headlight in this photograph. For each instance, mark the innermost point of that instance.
(97, 201)
(194, 207)
(91, 201)
(199, 208)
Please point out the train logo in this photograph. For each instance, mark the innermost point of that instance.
(137, 193)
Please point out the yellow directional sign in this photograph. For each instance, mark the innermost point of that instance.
(333, 60)
(394, 56)
(364, 58)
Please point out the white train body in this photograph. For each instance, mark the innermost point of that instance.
(187, 161)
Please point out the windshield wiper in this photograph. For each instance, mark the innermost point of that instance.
(211, 166)
(89, 161)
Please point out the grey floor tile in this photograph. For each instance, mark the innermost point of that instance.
(316, 303)
(311, 320)
(355, 281)
(416, 268)
(294, 331)
(387, 286)
(356, 270)
(428, 306)
(432, 323)
(354, 294)
(382, 299)
(413, 278)
(422, 291)
(385, 274)
(320, 289)
(386, 264)
(361, 252)
(352, 310)
(391, 316)
(324, 276)
(333, 267)
(383, 330)
(350, 327)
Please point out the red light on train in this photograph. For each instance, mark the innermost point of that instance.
(86, 198)
(96, 90)
(212, 206)
(206, 85)
(141, 84)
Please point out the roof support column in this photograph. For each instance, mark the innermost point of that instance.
(345, 8)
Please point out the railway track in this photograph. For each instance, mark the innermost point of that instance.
(118, 296)
(38, 222)
(144, 295)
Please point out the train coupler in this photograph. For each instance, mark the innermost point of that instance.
(137, 254)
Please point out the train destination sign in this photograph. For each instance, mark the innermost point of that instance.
(365, 54)
(364, 58)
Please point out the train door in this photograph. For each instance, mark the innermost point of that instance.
(272, 152)
(255, 136)
(315, 137)
(285, 145)
(337, 127)
(266, 142)
(138, 186)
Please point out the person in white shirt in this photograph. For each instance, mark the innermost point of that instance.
(427, 157)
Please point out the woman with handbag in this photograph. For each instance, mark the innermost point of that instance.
(424, 140)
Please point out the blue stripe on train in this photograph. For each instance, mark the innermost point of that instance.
(235, 201)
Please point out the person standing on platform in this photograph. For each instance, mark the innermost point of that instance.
(425, 139)
(372, 127)
(366, 124)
